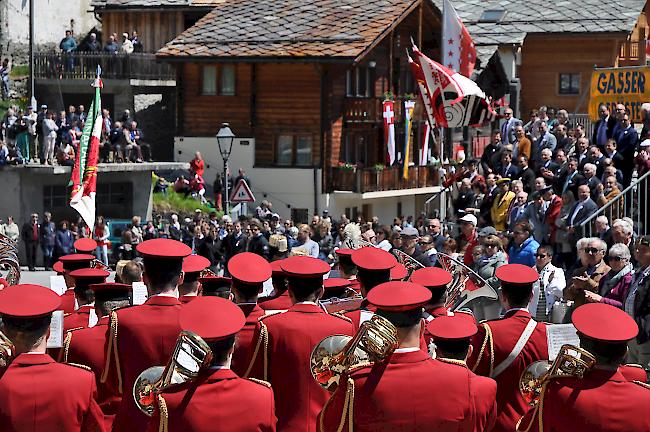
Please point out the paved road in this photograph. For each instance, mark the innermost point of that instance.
(43, 277)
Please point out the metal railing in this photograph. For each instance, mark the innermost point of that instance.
(83, 65)
(632, 202)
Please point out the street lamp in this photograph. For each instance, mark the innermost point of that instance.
(225, 138)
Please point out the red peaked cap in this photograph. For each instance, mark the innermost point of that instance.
(28, 301)
(76, 261)
(161, 248)
(110, 286)
(344, 252)
(304, 267)
(373, 259)
(249, 268)
(604, 323)
(398, 296)
(276, 268)
(431, 277)
(398, 272)
(215, 283)
(85, 245)
(58, 267)
(335, 283)
(516, 274)
(89, 273)
(212, 318)
(195, 263)
(454, 327)
(3, 283)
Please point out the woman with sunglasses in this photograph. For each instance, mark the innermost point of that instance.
(493, 257)
(615, 285)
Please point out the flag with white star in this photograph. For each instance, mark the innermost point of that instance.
(457, 49)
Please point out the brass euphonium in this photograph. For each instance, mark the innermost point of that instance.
(7, 351)
(571, 361)
(375, 340)
(191, 355)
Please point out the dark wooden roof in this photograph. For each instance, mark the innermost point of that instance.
(331, 29)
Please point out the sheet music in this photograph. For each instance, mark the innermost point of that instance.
(56, 330)
(558, 335)
(140, 294)
(267, 288)
(57, 284)
(92, 319)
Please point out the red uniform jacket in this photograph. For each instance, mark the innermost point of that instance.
(186, 298)
(242, 354)
(505, 334)
(552, 213)
(633, 372)
(77, 319)
(37, 394)
(218, 401)
(281, 302)
(412, 393)
(67, 301)
(145, 337)
(284, 361)
(86, 347)
(603, 401)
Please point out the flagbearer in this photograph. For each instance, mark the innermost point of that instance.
(72, 262)
(193, 265)
(36, 393)
(145, 335)
(86, 346)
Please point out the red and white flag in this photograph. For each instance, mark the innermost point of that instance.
(84, 173)
(458, 51)
(389, 130)
(424, 151)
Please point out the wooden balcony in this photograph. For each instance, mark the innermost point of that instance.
(389, 179)
(83, 65)
(369, 110)
(632, 53)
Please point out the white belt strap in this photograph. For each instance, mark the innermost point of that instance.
(521, 343)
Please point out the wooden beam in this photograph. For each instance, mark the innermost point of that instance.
(390, 61)
(420, 17)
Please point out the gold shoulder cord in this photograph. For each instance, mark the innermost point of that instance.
(164, 414)
(112, 352)
(261, 382)
(537, 412)
(263, 338)
(80, 366)
(452, 361)
(488, 339)
(66, 346)
(346, 413)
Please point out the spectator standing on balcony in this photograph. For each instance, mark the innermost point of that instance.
(100, 235)
(137, 44)
(82, 115)
(50, 129)
(40, 118)
(143, 149)
(10, 229)
(127, 45)
(111, 47)
(30, 119)
(92, 44)
(8, 129)
(197, 166)
(68, 45)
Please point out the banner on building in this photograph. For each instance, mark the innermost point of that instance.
(389, 130)
(625, 85)
(458, 51)
(409, 107)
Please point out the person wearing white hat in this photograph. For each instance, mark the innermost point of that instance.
(468, 238)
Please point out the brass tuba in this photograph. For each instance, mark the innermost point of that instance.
(9, 257)
(7, 351)
(333, 356)
(571, 361)
(191, 355)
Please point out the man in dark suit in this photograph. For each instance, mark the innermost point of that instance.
(47, 234)
(604, 127)
(487, 162)
(508, 126)
(526, 174)
(626, 141)
(30, 234)
(505, 168)
(611, 152)
(490, 194)
(571, 179)
(581, 210)
(592, 179)
(637, 305)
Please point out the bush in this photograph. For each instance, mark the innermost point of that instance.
(178, 203)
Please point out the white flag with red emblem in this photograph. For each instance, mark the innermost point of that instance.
(389, 130)
(458, 51)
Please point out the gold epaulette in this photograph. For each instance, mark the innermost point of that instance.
(642, 384)
(261, 382)
(80, 366)
(263, 317)
(164, 414)
(343, 317)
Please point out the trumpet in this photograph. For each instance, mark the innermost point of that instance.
(190, 356)
(333, 356)
(7, 351)
(571, 361)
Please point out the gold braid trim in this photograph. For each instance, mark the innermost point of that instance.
(261, 382)
(452, 361)
(163, 426)
(537, 412)
(350, 393)
(112, 352)
(346, 412)
(262, 338)
(264, 333)
(642, 384)
(66, 347)
(80, 366)
(488, 339)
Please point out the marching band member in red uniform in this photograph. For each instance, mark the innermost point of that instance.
(396, 394)
(283, 343)
(435, 280)
(85, 245)
(216, 286)
(335, 287)
(280, 301)
(347, 269)
(145, 335)
(218, 399)
(86, 346)
(84, 295)
(504, 348)
(193, 265)
(248, 272)
(603, 400)
(373, 268)
(72, 262)
(36, 393)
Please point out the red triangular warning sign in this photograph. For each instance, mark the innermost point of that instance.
(242, 193)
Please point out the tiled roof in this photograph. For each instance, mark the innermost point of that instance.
(122, 4)
(289, 28)
(543, 16)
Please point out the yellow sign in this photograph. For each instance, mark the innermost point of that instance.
(629, 86)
